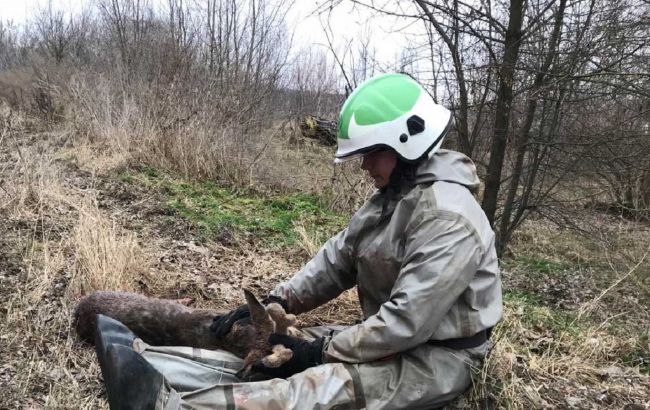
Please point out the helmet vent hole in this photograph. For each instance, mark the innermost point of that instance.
(415, 125)
(403, 138)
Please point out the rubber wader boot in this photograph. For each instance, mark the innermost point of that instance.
(131, 382)
(109, 331)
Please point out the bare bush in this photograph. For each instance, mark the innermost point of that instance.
(311, 85)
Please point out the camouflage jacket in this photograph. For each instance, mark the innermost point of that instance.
(425, 270)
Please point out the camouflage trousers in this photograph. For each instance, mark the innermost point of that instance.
(422, 378)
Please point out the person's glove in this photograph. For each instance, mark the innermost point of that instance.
(305, 355)
(222, 324)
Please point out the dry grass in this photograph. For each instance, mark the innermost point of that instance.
(114, 131)
(16, 88)
(58, 241)
(105, 258)
(576, 329)
(42, 365)
(602, 271)
(536, 366)
(35, 182)
(95, 159)
(307, 243)
(56, 244)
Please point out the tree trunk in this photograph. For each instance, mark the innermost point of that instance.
(524, 133)
(503, 108)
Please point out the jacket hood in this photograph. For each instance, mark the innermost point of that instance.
(449, 166)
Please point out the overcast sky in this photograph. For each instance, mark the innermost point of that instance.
(346, 20)
(19, 10)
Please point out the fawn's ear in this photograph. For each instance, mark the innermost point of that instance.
(259, 317)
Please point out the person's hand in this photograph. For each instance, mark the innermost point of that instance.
(305, 355)
(222, 324)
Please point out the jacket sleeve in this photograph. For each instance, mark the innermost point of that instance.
(442, 252)
(322, 279)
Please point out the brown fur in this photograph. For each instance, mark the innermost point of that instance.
(164, 322)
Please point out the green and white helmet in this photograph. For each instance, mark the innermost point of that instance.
(391, 110)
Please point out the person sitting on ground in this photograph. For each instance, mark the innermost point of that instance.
(421, 254)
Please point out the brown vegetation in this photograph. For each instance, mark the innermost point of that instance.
(594, 359)
(85, 100)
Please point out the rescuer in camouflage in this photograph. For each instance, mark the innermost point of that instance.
(421, 255)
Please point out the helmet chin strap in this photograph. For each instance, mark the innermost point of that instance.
(403, 175)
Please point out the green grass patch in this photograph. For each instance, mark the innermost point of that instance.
(533, 264)
(225, 211)
(127, 177)
(517, 295)
(534, 314)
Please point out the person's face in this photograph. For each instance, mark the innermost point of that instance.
(379, 165)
